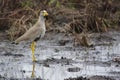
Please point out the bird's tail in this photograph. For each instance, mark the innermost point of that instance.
(14, 42)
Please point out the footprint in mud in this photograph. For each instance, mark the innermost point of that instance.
(78, 78)
(74, 69)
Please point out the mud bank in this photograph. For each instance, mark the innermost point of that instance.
(59, 62)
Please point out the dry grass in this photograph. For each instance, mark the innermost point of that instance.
(76, 17)
(18, 16)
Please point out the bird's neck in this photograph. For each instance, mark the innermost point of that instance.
(41, 23)
(41, 20)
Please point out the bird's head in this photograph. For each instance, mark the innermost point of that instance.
(44, 13)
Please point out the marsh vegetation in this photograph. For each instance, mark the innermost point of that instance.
(81, 43)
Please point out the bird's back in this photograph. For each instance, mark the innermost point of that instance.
(37, 30)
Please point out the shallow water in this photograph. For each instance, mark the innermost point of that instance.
(56, 62)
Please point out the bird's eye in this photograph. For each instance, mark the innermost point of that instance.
(45, 13)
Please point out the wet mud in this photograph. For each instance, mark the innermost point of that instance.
(58, 59)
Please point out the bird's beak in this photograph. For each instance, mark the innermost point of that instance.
(45, 14)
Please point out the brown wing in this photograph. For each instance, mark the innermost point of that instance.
(31, 34)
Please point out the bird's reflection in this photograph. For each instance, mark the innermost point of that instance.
(33, 70)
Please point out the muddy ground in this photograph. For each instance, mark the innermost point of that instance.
(58, 59)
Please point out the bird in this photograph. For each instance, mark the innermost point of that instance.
(35, 33)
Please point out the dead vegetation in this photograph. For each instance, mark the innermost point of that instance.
(96, 18)
(69, 16)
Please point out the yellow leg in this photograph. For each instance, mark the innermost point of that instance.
(33, 45)
(33, 71)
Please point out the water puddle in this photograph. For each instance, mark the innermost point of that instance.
(59, 62)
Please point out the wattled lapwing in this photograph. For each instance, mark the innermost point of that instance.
(35, 33)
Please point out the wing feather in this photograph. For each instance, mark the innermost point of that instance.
(31, 34)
